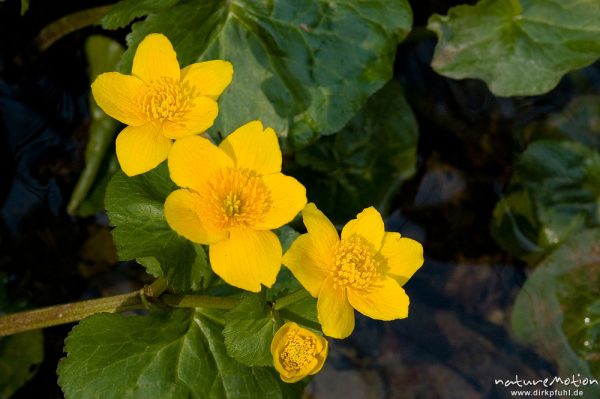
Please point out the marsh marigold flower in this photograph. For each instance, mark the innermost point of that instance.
(233, 195)
(364, 270)
(159, 102)
(297, 352)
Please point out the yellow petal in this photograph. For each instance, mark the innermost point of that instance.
(335, 313)
(387, 301)
(247, 259)
(155, 59)
(192, 160)
(368, 225)
(208, 78)
(117, 95)
(322, 232)
(302, 259)
(322, 356)
(141, 148)
(402, 255)
(181, 215)
(200, 115)
(251, 147)
(288, 198)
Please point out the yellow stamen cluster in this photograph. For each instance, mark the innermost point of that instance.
(354, 264)
(298, 352)
(234, 198)
(165, 99)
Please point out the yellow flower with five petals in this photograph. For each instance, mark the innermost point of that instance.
(364, 270)
(159, 102)
(297, 352)
(233, 196)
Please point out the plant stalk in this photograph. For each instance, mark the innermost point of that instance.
(142, 299)
(287, 300)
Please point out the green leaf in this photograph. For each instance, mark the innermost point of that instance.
(249, 330)
(293, 60)
(554, 192)
(103, 54)
(518, 47)
(286, 236)
(20, 356)
(550, 311)
(285, 284)
(135, 208)
(579, 296)
(579, 121)
(364, 163)
(168, 355)
(303, 312)
(124, 12)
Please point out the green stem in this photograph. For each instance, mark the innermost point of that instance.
(198, 301)
(142, 299)
(67, 313)
(287, 300)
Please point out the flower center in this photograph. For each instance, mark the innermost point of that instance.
(355, 265)
(234, 198)
(298, 352)
(165, 99)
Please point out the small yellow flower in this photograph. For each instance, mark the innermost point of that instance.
(297, 352)
(159, 102)
(365, 270)
(234, 195)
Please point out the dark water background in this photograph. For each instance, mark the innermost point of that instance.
(457, 339)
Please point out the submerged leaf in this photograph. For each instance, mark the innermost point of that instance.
(551, 310)
(553, 193)
(518, 47)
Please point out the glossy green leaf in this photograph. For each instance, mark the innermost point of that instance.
(364, 163)
(135, 208)
(554, 193)
(550, 311)
(293, 60)
(518, 47)
(249, 330)
(169, 355)
(124, 12)
(20, 356)
(103, 54)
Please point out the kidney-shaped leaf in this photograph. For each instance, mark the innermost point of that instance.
(518, 47)
(303, 67)
(168, 355)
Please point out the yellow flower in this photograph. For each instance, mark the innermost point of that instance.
(297, 352)
(234, 195)
(365, 270)
(159, 102)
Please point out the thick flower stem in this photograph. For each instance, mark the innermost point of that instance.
(71, 312)
(67, 313)
(287, 300)
(198, 301)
